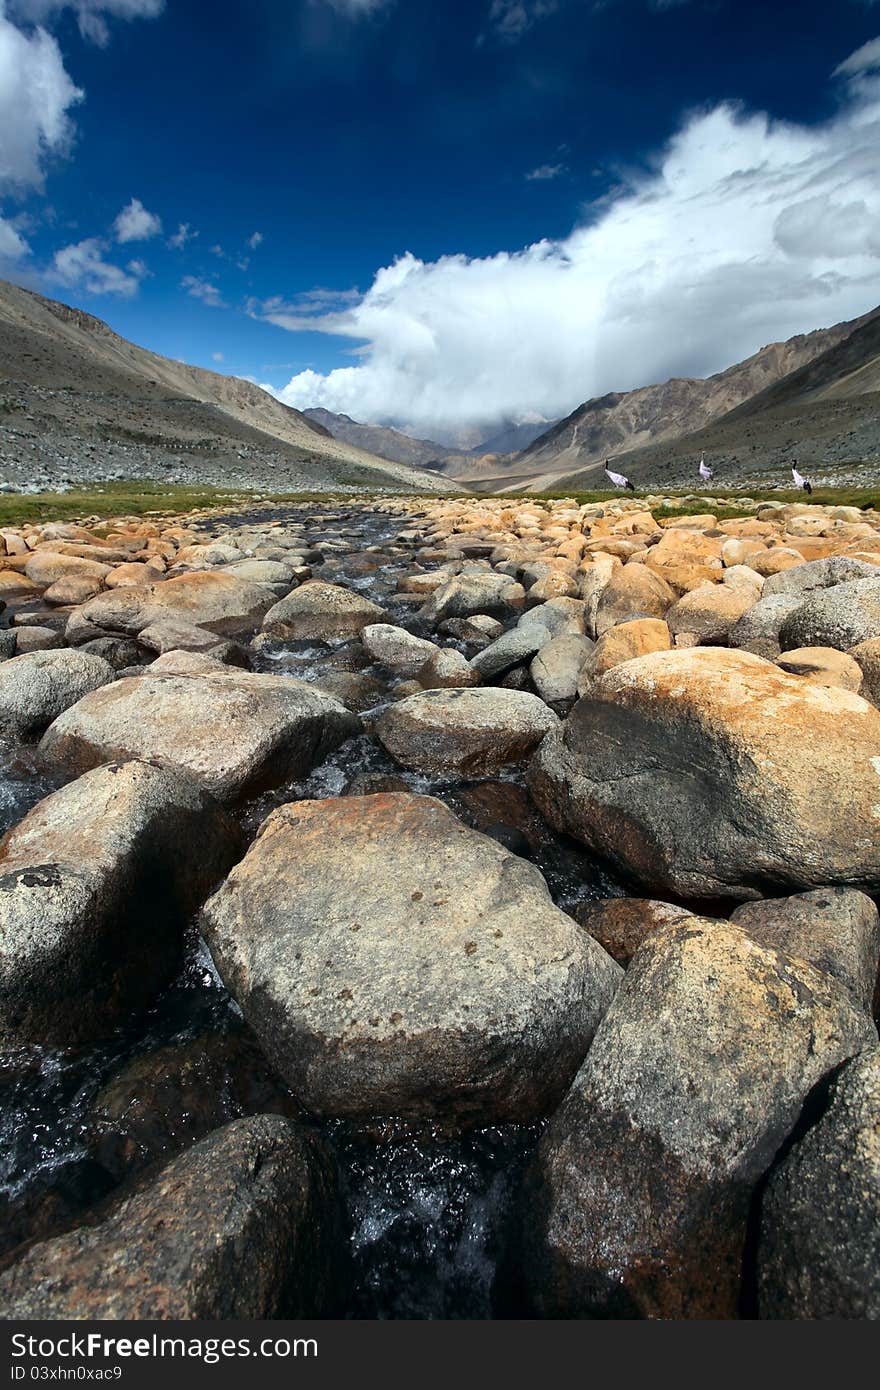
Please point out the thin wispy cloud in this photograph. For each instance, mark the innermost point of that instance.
(204, 290)
(356, 9)
(135, 223)
(865, 59)
(255, 240)
(545, 173)
(768, 227)
(91, 15)
(180, 238)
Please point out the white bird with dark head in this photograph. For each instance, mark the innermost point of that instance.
(800, 481)
(617, 478)
(706, 473)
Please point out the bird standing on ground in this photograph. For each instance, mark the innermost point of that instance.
(617, 478)
(800, 481)
(706, 473)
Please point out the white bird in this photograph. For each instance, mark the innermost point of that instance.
(800, 481)
(617, 478)
(706, 473)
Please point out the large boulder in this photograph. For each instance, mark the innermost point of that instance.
(38, 686)
(835, 929)
(708, 613)
(819, 1249)
(245, 1224)
(96, 884)
(841, 617)
(711, 773)
(405, 965)
(497, 595)
(511, 649)
(556, 668)
(225, 605)
(822, 666)
(320, 612)
(819, 574)
(632, 592)
(45, 567)
(757, 631)
(867, 657)
(234, 731)
(472, 733)
(696, 1076)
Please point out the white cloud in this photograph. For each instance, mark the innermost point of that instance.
(254, 241)
(91, 15)
(744, 230)
(204, 290)
(545, 172)
(218, 357)
(36, 94)
(13, 247)
(510, 19)
(134, 223)
(865, 59)
(183, 234)
(82, 266)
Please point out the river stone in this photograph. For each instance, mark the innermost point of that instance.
(623, 643)
(472, 733)
(556, 668)
(696, 1076)
(561, 616)
(839, 617)
(822, 666)
(96, 884)
(632, 592)
(45, 567)
(757, 631)
(819, 574)
(396, 648)
(709, 612)
(37, 639)
(210, 599)
(320, 612)
(405, 965)
(234, 731)
(513, 648)
(461, 596)
(711, 773)
(835, 929)
(243, 1225)
(163, 1101)
(446, 669)
(38, 686)
(620, 925)
(819, 1250)
(867, 655)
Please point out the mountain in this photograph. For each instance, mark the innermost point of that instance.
(79, 403)
(826, 413)
(511, 439)
(618, 423)
(386, 442)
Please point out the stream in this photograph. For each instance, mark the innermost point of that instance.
(430, 1218)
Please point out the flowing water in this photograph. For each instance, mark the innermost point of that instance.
(430, 1218)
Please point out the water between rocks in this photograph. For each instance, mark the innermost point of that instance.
(430, 1217)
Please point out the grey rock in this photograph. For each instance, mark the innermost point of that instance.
(757, 631)
(321, 611)
(819, 574)
(840, 617)
(472, 733)
(37, 686)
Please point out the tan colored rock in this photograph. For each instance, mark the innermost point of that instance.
(620, 925)
(867, 654)
(447, 669)
(126, 575)
(46, 566)
(776, 560)
(624, 643)
(710, 612)
(822, 666)
(72, 589)
(632, 592)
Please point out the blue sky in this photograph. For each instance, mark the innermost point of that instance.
(580, 191)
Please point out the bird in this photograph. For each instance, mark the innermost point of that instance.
(800, 481)
(617, 478)
(706, 473)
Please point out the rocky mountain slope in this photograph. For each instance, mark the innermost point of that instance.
(621, 422)
(79, 403)
(826, 413)
(387, 443)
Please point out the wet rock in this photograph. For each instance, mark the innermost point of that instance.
(472, 733)
(840, 617)
(397, 649)
(710, 773)
(320, 611)
(37, 686)
(457, 992)
(463, 595)
(819, 1250)
(477, 630)
(695, 1078)
(834, 929)
(757, 631)
(822, 666)
(632, 592)
(172, 635)
(244, 1225)
(273, 728)
(119, 651)
(164, 1101)
(96, 884)
(620, 925)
